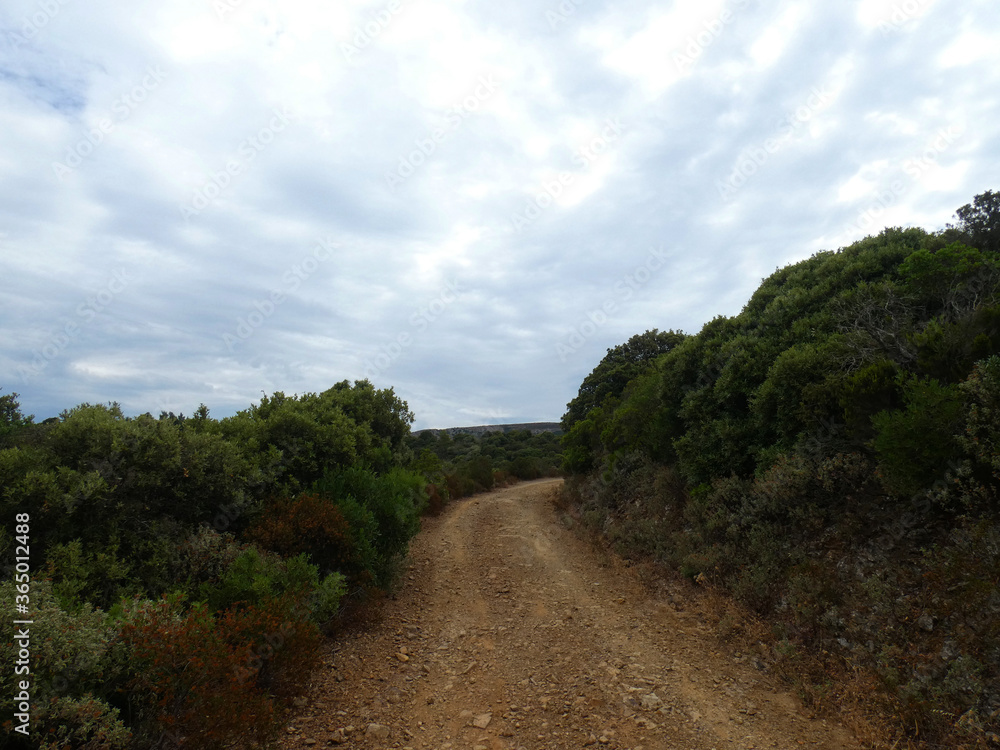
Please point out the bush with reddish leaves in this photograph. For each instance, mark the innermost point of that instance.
(207, 681)
(283, 642)
(309, 524)
(187, 682)
(459, 485)
(435, 501)
(355, 522)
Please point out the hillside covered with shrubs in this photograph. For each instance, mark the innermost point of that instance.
(831, 458)
(465, 463)
(183, 569)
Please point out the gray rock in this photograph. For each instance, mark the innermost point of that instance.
(651, 702)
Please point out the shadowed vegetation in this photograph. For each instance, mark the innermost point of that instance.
(829, 457)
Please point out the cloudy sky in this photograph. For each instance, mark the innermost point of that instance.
(203, 200)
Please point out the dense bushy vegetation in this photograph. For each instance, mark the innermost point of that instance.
(829, 456)
(465, 463)
(184, 568)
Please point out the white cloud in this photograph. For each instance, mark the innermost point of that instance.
(771, 45)
(890, 15)
(864, 182)
(649, 55)
(693, 84)
(970, 48)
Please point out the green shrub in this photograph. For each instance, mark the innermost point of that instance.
(13, 423)
(85, 723)
(227, 576)
(324, 601)
(204, 557)
(78, 575)
(255, 577)
(916, 445)
(74, 677)
(346, 425)
(382, 511)
(480, 471)
(981, 439)
(136, 507)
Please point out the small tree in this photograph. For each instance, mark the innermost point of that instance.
(619, 366)
(980, 220)
(11, 418)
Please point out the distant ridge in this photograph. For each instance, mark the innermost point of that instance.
(533, 427)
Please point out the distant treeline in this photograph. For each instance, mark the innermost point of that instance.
(533, 427)
(182, 569)
(468, 462)
(831, 457)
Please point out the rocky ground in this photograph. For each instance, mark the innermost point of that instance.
(511, 632)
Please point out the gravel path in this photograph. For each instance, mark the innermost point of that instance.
(513, 633)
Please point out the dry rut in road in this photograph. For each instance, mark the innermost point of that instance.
(511, 633)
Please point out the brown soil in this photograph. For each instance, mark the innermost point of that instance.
(510, 632)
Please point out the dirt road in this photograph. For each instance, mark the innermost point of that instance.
(513, 633)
